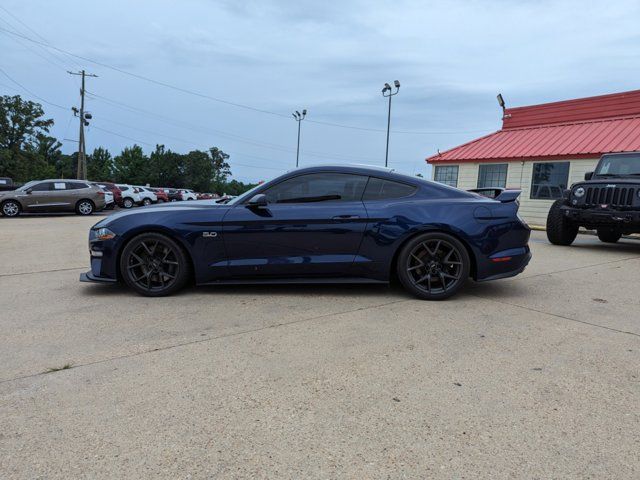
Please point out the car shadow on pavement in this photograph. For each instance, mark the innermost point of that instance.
(303, 290)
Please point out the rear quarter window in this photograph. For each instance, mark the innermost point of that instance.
(379, 189)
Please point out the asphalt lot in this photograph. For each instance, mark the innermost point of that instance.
(532, 377)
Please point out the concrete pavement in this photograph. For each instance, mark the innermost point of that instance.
(532, 377)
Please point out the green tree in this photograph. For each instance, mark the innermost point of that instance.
(131, 166)
(21, 122)
(166, 168)
(100, 165)
(221, 168)
(198, 170)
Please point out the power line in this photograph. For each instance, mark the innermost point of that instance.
(30, 92)
(220, 100)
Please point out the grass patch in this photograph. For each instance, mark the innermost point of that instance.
(66, 366)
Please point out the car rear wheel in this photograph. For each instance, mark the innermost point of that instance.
(608, 235)
(433, 266)
(146, 201)
(85, 207)
(11, 208)
(127, 202)
(154, 265)
(560, 230)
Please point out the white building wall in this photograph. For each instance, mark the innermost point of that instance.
(519, 175)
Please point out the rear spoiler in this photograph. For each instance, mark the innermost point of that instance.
(502, 195)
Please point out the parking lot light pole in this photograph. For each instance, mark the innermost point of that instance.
(387, 92)
(299, 117)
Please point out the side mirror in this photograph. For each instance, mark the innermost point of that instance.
(28, 191)
(588, 175)
(258, 201)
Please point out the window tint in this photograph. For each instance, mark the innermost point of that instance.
(447, 175)
(493, 175)
(42, 187)
(378, 189)
(549, 180)
(123, 188)
(76, 185)
(318, 187)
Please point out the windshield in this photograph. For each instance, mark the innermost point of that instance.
(244, 196)
(619, 165)
(28, 185)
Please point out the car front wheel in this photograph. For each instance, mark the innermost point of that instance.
(560, 230)
(433, 266)
(84, 207)
(11, 208)
(154, 265)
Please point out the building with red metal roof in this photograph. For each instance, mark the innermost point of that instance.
(542, 149)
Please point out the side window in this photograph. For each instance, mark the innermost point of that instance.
(57, 186)
(124, 189)
(76, 185)
(318, 187)
(42, 187)
(378, 189)
(492, 175)
(447, 175)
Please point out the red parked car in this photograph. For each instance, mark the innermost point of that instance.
(113, 188)
(161, 194)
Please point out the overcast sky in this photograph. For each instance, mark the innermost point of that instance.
(331, 57)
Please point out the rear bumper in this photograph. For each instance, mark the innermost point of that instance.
(505, 264)
(521, 265)
(604, 216)
(91, 278)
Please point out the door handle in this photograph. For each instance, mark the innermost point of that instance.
(345, 217)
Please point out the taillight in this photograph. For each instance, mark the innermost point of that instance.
(100, 193)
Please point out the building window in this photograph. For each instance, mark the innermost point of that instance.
(447, 175)
(549, 180)
(492, 176)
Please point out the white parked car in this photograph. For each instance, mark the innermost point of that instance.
(188, 194)
(147, 196)
(130, 195)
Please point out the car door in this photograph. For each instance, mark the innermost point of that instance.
(41, 198)
(312, 226)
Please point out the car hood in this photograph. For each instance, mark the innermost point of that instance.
(161, 210)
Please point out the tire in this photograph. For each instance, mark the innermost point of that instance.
(608, 235)
(433, 266)
(560, 230)
(85, 207)
(146, 202)
(11, 208)
(154, 265)
(127, 202)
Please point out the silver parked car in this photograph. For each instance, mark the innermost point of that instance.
(53, 196)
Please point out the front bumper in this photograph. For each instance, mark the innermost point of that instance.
(605, 216)
(91, 278)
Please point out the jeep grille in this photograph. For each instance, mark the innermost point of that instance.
(619, 197)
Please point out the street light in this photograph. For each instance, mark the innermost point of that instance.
(387, 92)
(299, 117)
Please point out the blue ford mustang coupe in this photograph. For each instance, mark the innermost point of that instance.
(326, 224)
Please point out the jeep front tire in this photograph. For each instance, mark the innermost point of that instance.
(560, 230)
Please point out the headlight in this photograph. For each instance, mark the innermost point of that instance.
(579, 192)
(104, 234)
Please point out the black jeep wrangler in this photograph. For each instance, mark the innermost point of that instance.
(608, 201)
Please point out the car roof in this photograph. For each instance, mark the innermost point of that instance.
(371, 170)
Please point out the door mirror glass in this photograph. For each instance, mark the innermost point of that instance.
(258, 201)
(588, 175)
(28, 191)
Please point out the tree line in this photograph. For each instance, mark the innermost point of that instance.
(28, 152)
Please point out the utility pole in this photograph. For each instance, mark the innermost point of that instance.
(386, 92)
(84, 121)
(299, 117)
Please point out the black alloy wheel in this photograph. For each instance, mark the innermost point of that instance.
(154, 265)
(433, 266)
